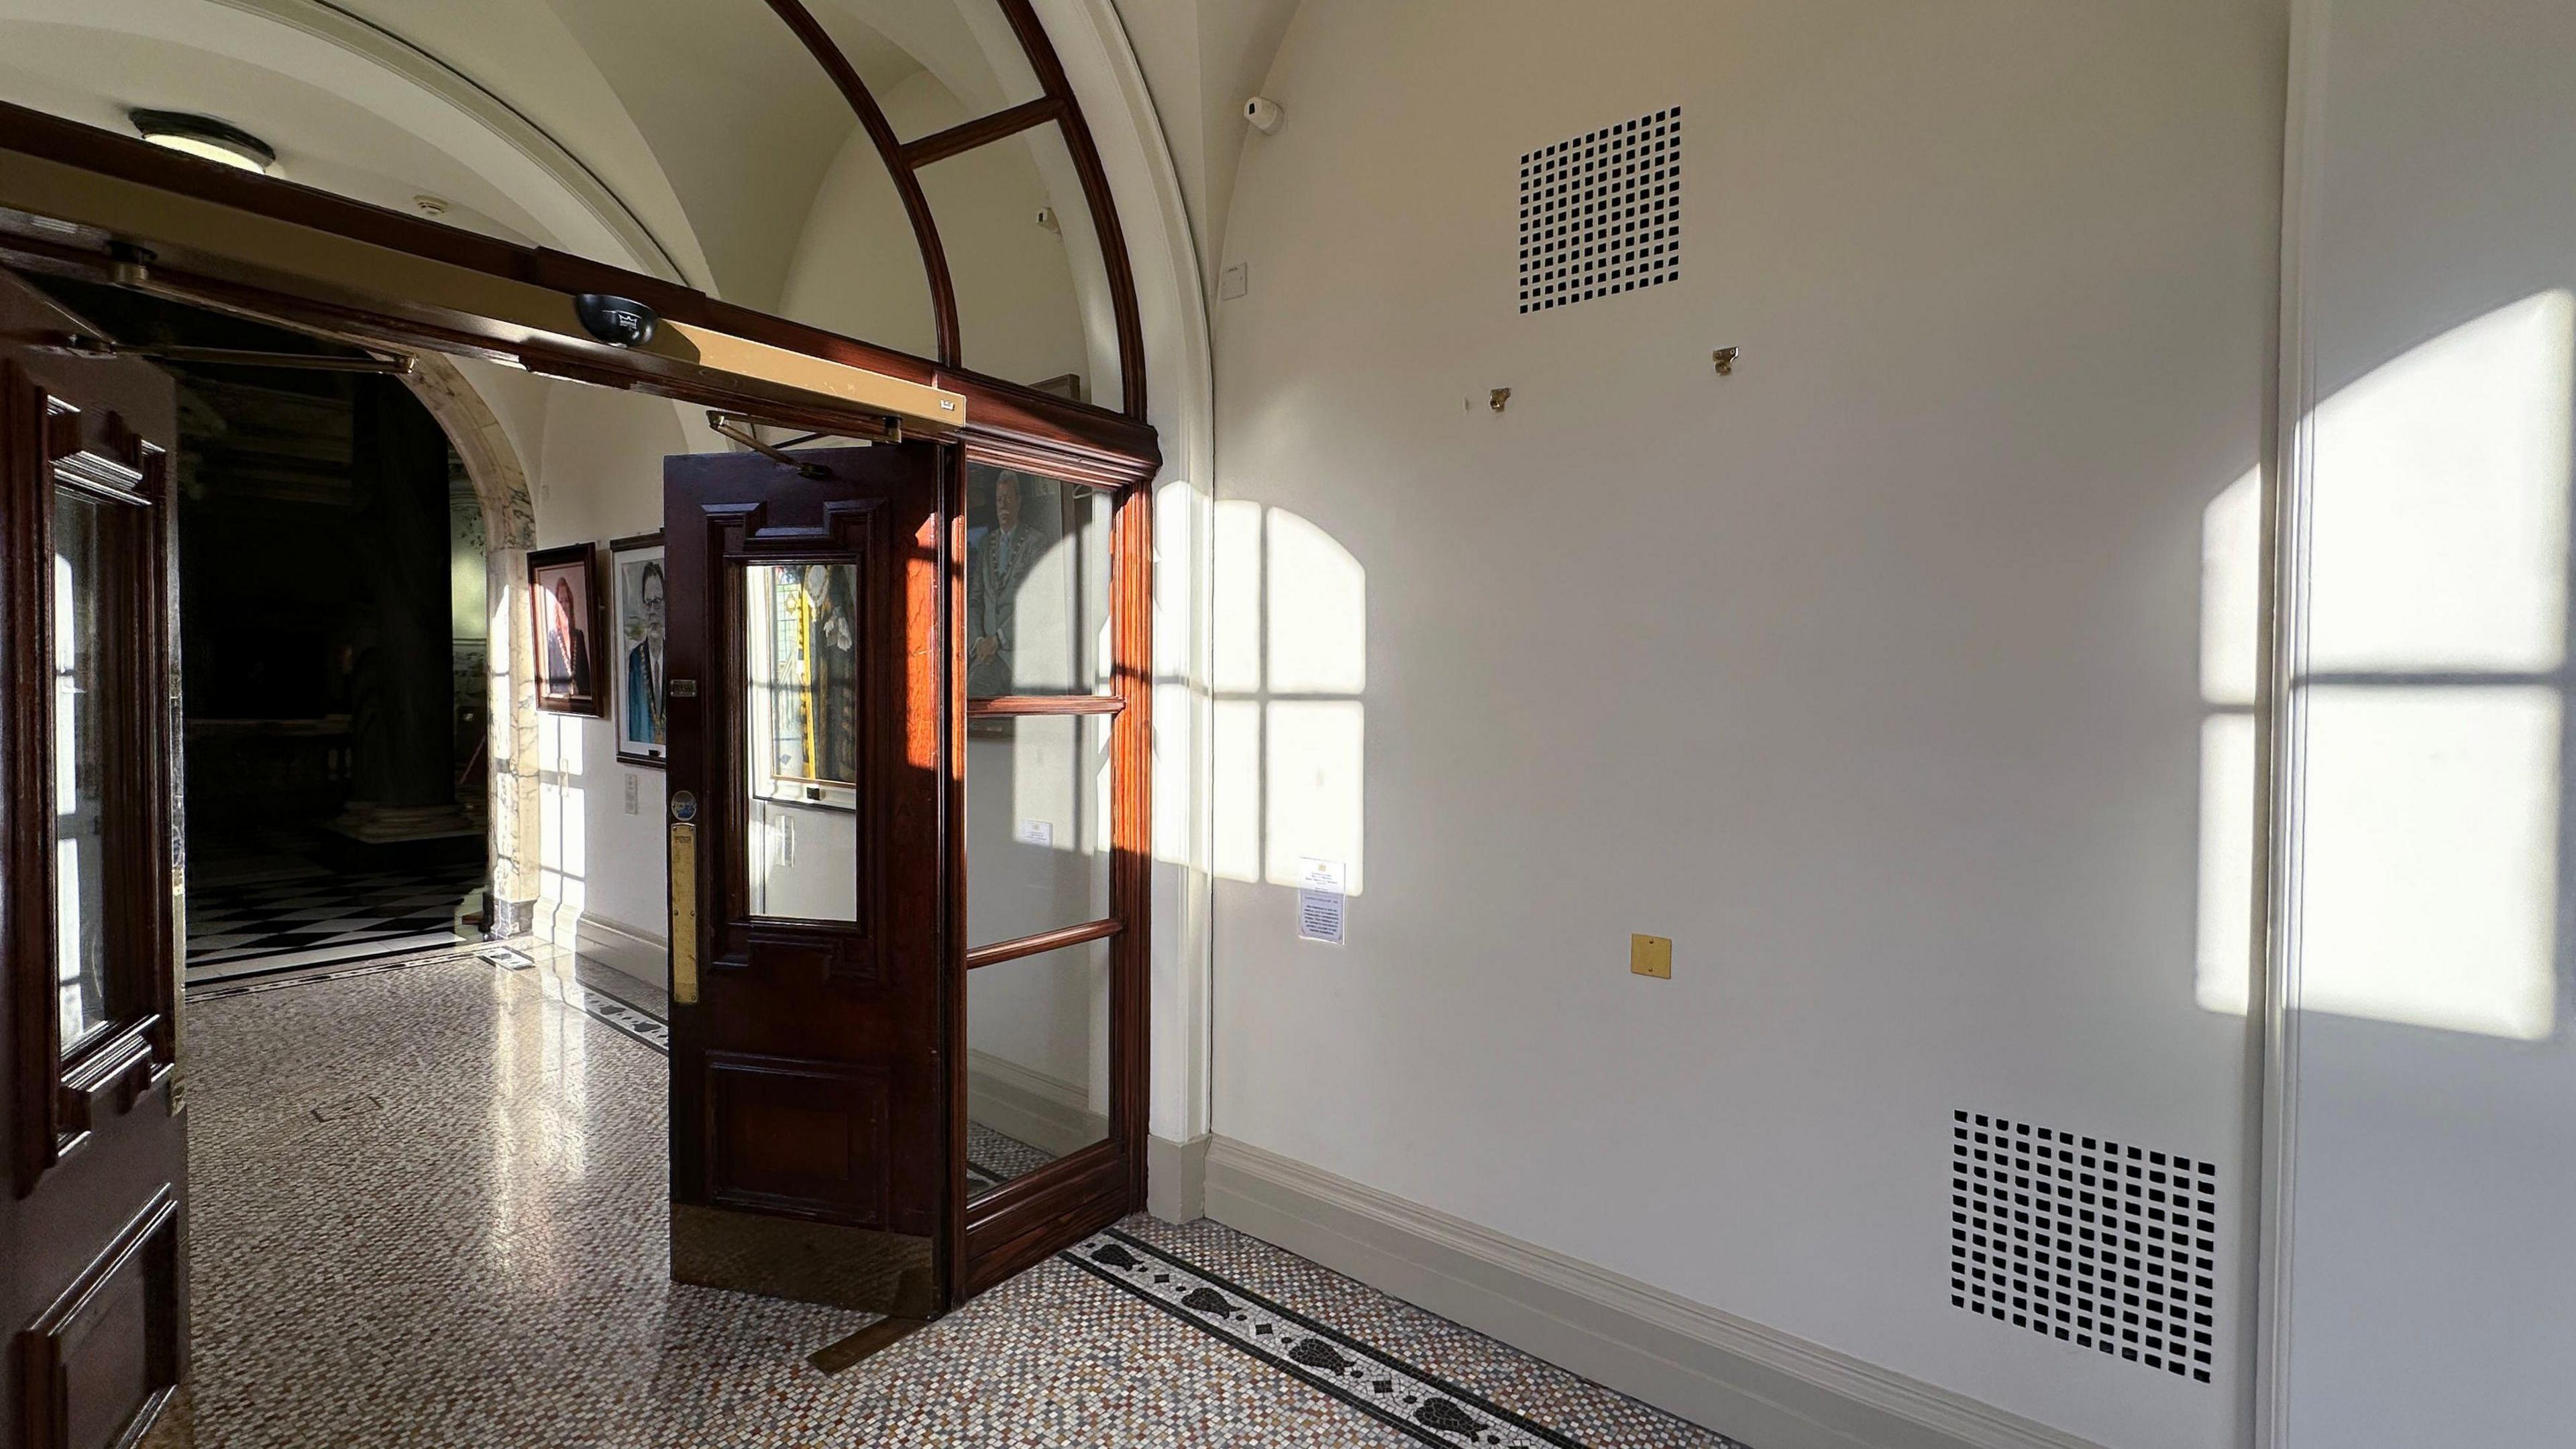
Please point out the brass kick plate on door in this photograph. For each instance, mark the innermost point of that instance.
(684, 915)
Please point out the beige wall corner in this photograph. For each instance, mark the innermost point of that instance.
(1176, 1178)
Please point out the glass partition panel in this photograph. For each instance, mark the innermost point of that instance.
(931, 64)
(1037, 585)
(801, 740)
(696, 140)
(1033, 303)
(1037, 1062)
(82, 818)
(1037, 824)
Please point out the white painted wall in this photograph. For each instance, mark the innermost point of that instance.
(594, 458)
(1204, 60)
(857, 269)
(1871, 675)
(2431, 1259)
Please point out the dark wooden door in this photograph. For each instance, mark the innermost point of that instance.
(807, 681)
(88, 696)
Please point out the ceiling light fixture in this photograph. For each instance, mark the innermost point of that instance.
(206, 138)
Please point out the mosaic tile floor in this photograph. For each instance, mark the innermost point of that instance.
(993, 1159)
(428, 1211)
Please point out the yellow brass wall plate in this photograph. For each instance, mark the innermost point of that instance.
(684, 915)
(1651, 956)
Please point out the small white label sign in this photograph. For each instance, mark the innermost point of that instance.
(1321, 891)
(1037, 832)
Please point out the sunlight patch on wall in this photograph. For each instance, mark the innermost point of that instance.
(1313, 785)
(2439, 535)
(1317, 611)
(1234, 589)
(1290, 727)
(2231, 813)
(2231, 593)
(2434, 684)
(2430, 870)
(563, 857)
(1235, 787)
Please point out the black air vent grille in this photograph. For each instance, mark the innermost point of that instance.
(2092, 1242)
(1602, 213)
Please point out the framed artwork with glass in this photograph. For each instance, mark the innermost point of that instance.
(564, 613)
(640, 583)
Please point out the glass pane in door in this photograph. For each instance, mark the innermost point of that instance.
(1032, 283)
(1037, 1062)
(1037, 824)
(81, 821)
(1037, 584)
(800, 717)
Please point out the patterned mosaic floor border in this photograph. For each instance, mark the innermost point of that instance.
(1376, 1383)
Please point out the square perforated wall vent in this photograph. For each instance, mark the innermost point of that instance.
(1602, 213)
(2090, 1241)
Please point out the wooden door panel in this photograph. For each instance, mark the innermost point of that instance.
(89, 1228)
(809, 1086)
(103, 1358)
(802, 1137)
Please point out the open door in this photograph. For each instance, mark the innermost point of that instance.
(807, 713)
(90, 1228)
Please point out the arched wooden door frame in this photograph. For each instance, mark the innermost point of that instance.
(224, 239)
(904, 160)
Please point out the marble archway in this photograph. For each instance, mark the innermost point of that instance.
(509, 527)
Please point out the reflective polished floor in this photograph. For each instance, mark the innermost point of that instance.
(428, 1210)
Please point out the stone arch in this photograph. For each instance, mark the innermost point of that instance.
(500, 479)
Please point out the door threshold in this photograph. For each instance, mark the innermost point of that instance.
(877, 1337)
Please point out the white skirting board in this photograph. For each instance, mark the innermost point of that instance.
(640, 954)
(1049, 1114)
(1739, 1378)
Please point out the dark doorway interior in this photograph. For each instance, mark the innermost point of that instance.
(332, 645)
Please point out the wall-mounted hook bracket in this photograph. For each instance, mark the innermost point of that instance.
(1724, 357)
(1502, 398)
(724, 428)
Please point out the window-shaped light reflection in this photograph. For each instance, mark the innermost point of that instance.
(2430, 861)
(2438, 539)
(1289, 723)
(2231, 812)
(2434, 686)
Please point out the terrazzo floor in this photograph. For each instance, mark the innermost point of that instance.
(428, 1209)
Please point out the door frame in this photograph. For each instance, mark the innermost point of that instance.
(113, 209)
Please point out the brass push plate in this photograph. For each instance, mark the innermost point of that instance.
(1651, 956)
(684, 915)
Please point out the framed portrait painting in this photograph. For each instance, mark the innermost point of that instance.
(572, 677)
(638, 581)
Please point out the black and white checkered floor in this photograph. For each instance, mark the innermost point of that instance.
(301, 916)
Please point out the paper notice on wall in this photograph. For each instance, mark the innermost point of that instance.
(1320, 895)
(1037, 832)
